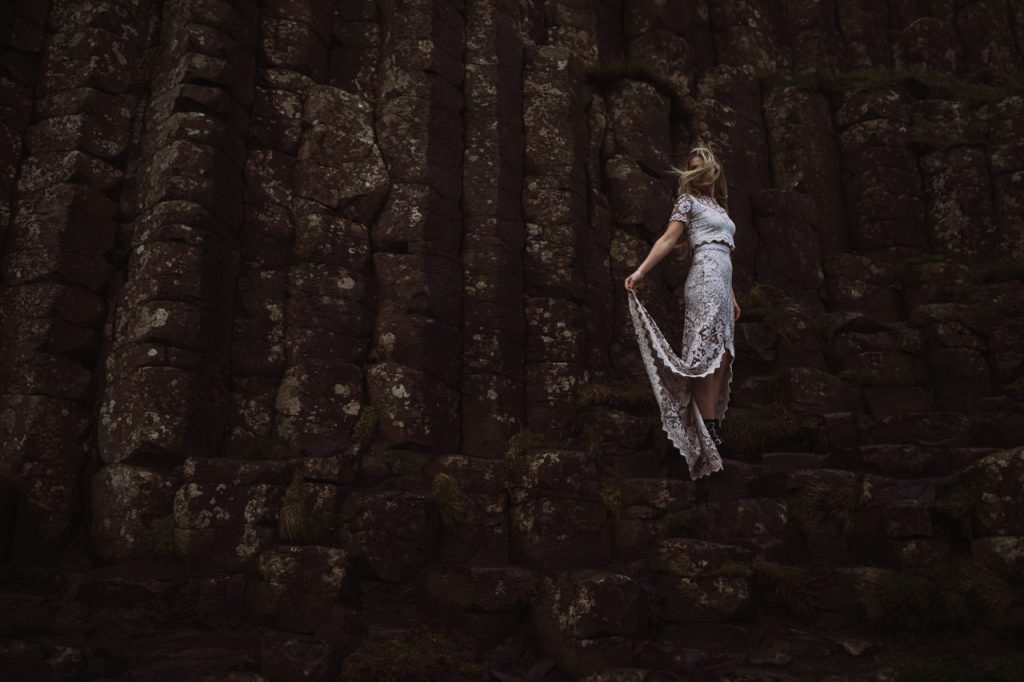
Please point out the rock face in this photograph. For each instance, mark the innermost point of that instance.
(312, 319)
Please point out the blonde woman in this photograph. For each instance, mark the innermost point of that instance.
(692, 389)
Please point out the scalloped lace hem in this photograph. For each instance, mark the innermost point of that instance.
(672, 380)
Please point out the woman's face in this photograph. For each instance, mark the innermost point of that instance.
(708, 179)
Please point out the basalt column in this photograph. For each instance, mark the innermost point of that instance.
(554, 201)
(493, 230)
(414, 371)
(21, 44)
(301, 321)
(166, 396)
(56, 264)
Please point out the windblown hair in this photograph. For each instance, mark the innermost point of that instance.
(711, 162)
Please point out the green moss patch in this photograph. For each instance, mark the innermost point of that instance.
(269, 447)
(417, 655)
(960, 667)
(944, 596)
(161, 534)
(954, 505)
(791, 586)
(767, 427)
(522, 442)
(691, 523)
(366, 424)
(836, 500)
(297, 524)
(906, 605)
(450, 499)
(621, 396)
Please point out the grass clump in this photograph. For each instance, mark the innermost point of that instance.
(161, 533)
(405, 462)
(404, 656)
(522, 442)
(736, 568)
(791, 586)
(836, 500)
(945, 596)
(610, 492)
(763, 427)
(593, 438)
(961, 668)
(269, 447)
(691, 523)
(365, 425)
(297, 524)
(1016, 388)
(1000, 270)
(769, 304)
(955, 502)
(1000, 595)
(906, 605)
(623, 396)
(450, 499)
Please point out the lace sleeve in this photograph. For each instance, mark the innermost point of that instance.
(681, 211)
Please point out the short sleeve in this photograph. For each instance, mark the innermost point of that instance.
(681, 211)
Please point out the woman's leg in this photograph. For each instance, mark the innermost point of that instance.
(707, 388)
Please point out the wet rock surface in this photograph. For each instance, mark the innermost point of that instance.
(315, 361)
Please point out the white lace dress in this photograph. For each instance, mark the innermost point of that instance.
(708, 331)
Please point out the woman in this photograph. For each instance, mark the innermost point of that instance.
(703, 371)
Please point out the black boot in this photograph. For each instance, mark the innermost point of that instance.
(713, 430)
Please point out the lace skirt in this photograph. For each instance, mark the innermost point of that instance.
(708, 331)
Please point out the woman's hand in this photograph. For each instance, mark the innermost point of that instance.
(634, 279)
(735, 310)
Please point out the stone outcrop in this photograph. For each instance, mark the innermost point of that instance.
(315, 361)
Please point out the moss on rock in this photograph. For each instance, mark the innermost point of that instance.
(407, 655)
(762, 427)
(297, 523)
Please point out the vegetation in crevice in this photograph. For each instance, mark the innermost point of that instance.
(763, 427)
(784, 315)
(906, 605)
(405, 462)
(610, 492)
(297, 524)
(954, 505)
(592, 437)
(791, 586)
(691, 523)
(269, 447)
(835, 500)
(620, 396)
(999, 270)
(419, 654)
(161, 533)
(450, 499)
(946, 595)
(522, 442)
(365, 425)
(1016, 388)
(958, 667)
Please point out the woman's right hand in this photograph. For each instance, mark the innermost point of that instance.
(633, 280)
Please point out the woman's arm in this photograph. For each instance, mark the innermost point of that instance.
(662, 247)
(677, 222)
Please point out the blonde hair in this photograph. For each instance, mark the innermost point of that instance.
(711, 163)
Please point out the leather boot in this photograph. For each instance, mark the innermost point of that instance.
(713, 430)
